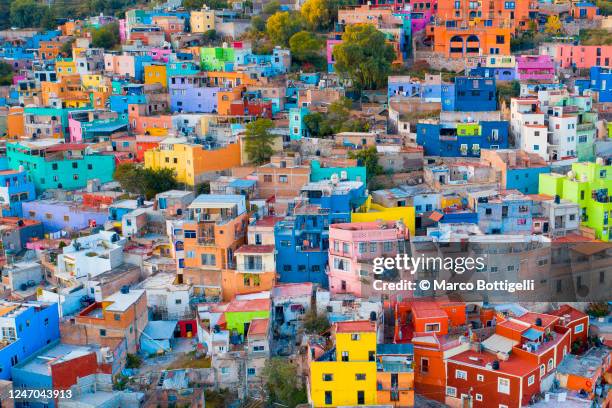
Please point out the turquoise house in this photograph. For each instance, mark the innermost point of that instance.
(318, 173)
(297, 128)
(53, 164)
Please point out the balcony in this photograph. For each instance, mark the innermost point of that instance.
(585, 127)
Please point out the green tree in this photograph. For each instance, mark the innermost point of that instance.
(258, 24)
(306, 52)
(317, 14)
(259, 141)
(5, 10)
(364, 56)
(282, 382)
(281, 26)
(315, 323)
(193, 4)
(369, 158)
(271, 7)
(147, 182)
(305, 47)
(6, 74)
(106, 36)
(27, 13)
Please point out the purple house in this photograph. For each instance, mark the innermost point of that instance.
(63, 215)
(535, 67)
(190, 94)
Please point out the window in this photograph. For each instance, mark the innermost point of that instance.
(345, 356)
(478, 397)
(117, 316)
(362, 247)
(480, 377)
(282, 179)
(328, 377)
(267, 178)
(460, 374)
(503, 385)
(360, 377)
(190, 234)
(551, 364)
(451, 391)
(328, 397)
(355, 336)
(102, 332)
(500, 39)
(387, 246)
(531, 380)
(251, 371)
(75, 165)
(432, 327)
(66, 218)
(579, 328)
(209, 259)
(424, 365)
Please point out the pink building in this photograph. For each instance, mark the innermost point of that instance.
(160, 54)
(535, 67)
(120, 64)
(583, 56)
(352, 249)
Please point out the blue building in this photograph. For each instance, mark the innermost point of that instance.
(302, 238)
(505, 214)
(15, 188)
(601, 81)
(474, 94)
(525, 179)
(26, 328)
(462, 139)
(297, 128)
(500, 74)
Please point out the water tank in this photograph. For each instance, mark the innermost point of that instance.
(538, 322)
(495, 365)
(125, 289)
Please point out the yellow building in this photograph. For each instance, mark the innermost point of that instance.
(358, 371)
(65, 66)
(156, 74)
(346, 376)
(201, 21)
(92, 82)
(192, 162)
(370, 212)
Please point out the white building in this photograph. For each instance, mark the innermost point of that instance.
(90, 256)
(528, 127)
(167, 298)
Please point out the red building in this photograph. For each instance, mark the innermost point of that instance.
(144, 143)
(575, 320)
(489, 382)
(247, 107)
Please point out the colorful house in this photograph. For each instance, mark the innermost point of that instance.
(353, 246)
(59, 165)
(519, 170)
(26, 328)
(193, 163)
(588, 185)
(535, 67)
(15, 188)
(461, 139)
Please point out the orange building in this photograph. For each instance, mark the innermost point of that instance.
(215, 229)
(49, 49)
(15, 122)
(457, 42)
(143, 121)
(514, 14)
(67, 88)
(123, 315)
(255, 271)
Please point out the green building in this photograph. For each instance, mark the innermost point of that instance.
(216, 58)
(53, 164)
(240, 313)
(590, 186)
